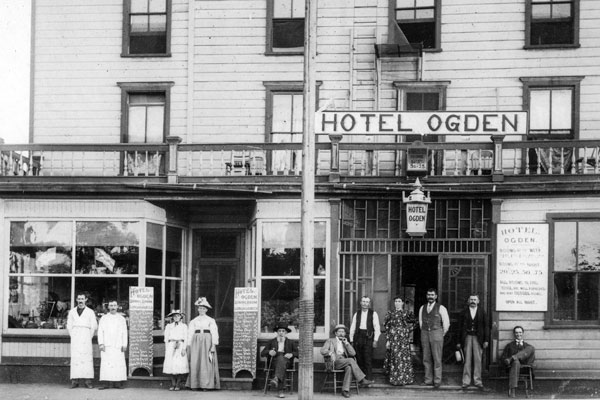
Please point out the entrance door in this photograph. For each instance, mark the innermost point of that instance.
(460, 276)
(217, 270)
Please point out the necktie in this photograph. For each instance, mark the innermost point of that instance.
(520, 344)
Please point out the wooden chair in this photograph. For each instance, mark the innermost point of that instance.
(526, 377)
(288, 385)
(332, 380)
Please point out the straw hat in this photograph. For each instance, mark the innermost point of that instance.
(340, 326)
(175, 312)
(202, 302)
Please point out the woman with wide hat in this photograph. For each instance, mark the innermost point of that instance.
(281, 352)
(203, 337)
(176, 362)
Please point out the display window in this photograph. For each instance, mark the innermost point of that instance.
(51, 261)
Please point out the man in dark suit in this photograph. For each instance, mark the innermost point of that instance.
(514, 355)
(282, 351)
(341, 352)
(473, 328)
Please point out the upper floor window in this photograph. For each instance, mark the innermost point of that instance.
(146, 27)
(285, 26)
(552, 23)
(575, 270)
(419, 21)
(553, 105)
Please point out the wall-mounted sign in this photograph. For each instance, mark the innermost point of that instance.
(522, 267)
(416, 161)
(141, 311)
(421, 122)
(245, 330)
(416, 211)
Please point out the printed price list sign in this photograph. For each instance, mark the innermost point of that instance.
(522, 269)
(245, 330)
(141, 310)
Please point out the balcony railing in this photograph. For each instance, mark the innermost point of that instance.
(336, 159)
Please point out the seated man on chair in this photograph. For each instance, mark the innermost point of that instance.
(341, 352)
(515, 354)
(282, 351)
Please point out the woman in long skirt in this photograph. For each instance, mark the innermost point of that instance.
(398, 363)
(176, 362)
(203, 337)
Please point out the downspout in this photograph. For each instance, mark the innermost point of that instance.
(190, 71)
(32, 70)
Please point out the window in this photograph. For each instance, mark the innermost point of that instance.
(280, 274)
(553, 105)
(552, 23)
(419, 21)
(146, 28)
(421, 96)
(285, 26)
(51, 261)
(145, 119)
(575, 278)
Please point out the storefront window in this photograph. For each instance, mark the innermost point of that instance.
(46, 269)
(576, 274)
(280, 283)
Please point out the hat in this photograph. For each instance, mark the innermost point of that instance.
(460, 358)
(174, 312)
(202, 302)
(340, 326)
(281, 326)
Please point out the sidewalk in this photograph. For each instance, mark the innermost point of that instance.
(63, 392)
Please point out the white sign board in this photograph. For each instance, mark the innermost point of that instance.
(245, 330)
(522, 267)
(422, 122)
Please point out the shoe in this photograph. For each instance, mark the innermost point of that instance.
(103, 387)
(177, 388)
(365, 383)
(425, 384)
(119, 385)
(74, 384)
(465, 387)
(511, 393)
(281, 395)
(89, 385)
(437, 385)
(345, 393)
(172, 388)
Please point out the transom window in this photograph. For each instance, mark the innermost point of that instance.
(146, 27)
(552, 23)
(419, 21)
(575, 278)
(285, 26)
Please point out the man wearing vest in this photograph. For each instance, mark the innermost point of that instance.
(364, 333)
(434, 322)
(473, 330)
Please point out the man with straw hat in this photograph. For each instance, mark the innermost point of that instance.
(341, 352)
(176, 363)
(281, 352)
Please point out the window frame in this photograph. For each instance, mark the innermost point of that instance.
(569, 82)
(127, 37)
(269, 36)
(529, 20)
(549, 321)
(141, 276)
(437, 20)
(258, 273)
(128, 88)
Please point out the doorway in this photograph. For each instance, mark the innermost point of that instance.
(217, 270)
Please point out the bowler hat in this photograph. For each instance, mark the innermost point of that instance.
(340, 326)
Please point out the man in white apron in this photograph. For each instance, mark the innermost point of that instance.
(81, 324)
(112, 340)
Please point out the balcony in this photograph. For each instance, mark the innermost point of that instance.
(495, 162)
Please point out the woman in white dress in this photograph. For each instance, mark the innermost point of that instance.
(203, 337)
(176, 362)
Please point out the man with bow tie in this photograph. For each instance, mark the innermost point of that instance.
(514, 355)
(472, 324)
(341, 352)
(282, 352)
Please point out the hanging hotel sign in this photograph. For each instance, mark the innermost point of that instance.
(522, 269)
(416, 211)
(421, 122)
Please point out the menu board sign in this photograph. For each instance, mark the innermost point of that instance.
(522, 270)
(141, 310)
(245, 330)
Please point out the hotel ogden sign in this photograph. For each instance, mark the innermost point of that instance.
(424, 123)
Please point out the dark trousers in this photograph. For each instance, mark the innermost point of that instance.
(280, 364)
(363, 344)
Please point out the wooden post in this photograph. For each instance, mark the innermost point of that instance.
(334, 171)
(497, 174)
(172, 141)
(307, 286)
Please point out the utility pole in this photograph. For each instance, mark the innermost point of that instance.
(307, 239)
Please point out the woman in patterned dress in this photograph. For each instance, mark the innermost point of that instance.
(398, 325)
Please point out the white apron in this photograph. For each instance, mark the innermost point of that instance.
(81, 329)
(112, 333)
